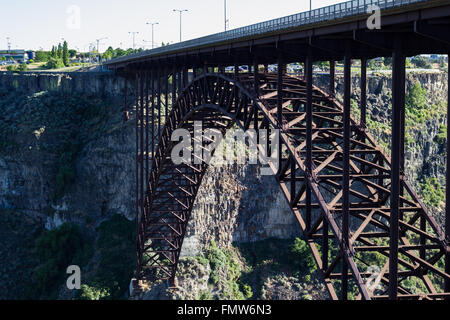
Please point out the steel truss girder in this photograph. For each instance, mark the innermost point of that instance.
(171, 189)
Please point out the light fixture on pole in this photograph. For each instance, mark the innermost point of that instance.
(153, 24)
(181, 13)
(134, 33)
(8, 42)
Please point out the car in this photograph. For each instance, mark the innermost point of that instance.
(273, 68)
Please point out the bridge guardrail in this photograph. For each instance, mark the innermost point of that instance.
(332, 12)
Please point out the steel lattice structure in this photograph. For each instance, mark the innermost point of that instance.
(354, 204)
(315, 188)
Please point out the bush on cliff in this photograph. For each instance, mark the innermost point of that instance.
(117, 260)
(57, 250)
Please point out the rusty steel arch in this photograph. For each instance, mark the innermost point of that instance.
(345, 237)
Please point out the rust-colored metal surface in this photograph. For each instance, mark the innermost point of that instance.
(336, 179)
(367, 228)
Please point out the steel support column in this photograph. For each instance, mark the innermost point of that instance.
(139, 242)
(147, 129)
(280, 92)
(126, 116)
(152, 81)
(281, 73)
(332, 78)
(346, 168)
(363, 118)
(363, 121)
(398, 90)
(185, 82)
(158, 99)
(309, 116)
(256, 74)
(174, 86)
(166, 93)
(180, 81)
(141, 140)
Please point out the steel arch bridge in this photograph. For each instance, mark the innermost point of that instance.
(352, 202)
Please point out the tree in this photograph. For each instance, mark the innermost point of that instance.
(22, 67)
(72, 53)
(42, 56)
(421, 62)
(54, 63)
(416, 97)
(387, 61)
(373, 65)
(65, 54)
(53, 52)
(59, 52)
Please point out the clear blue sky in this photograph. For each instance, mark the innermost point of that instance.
(42, 23)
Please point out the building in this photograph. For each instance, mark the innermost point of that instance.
(19, 56)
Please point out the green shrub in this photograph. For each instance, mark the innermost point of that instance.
(301, 257)
(421, 62)
(418, 111)
(116, 244)
(56, 250)
(11, 68)
(205, 295)
(433, 192)
(66, 167)
(416, 97)
(217, 260)
(22, 67)
(441, 138)
(247, 291)
(54, 63)
(93, 293)
(202, 260)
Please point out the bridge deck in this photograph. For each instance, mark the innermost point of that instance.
(333, 24)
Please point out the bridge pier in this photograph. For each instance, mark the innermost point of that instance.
(363, 120)
(398, 105)
(166, 92)
(175, 84)
(325, 232)
(309, 121)
(346, 168)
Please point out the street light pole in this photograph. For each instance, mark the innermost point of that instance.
(8, 43)
(226, 20)
(134, 33)
(153, 32)
(181, 12)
